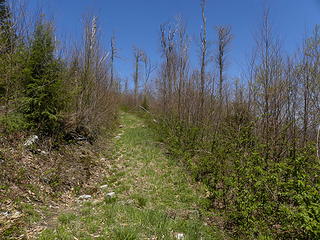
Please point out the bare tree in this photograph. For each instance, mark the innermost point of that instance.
(138, 57)
(91, 80)
(204, 51)
(269, 98)
(114, 52)
(169, 73)
(183, 65)
(224, 39)
(148, 69)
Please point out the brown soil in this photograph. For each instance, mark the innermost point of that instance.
(38, 182)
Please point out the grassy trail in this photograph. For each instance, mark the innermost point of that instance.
(154, 198)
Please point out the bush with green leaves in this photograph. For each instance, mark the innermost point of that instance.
(8, 54)
(274, 198)
(14, 122)
(42, 102)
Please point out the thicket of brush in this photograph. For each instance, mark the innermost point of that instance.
(252, 141)
(49, 90)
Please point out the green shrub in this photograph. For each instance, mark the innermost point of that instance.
(274, 198)
(43, 101)
(14, 122)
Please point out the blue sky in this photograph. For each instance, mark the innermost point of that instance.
(136, 22)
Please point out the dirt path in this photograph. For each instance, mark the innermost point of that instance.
(147, 196)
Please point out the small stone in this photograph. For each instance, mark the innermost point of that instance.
(179, 236)
(85, 197)
(44, 152)
(110, 195)
(5, 213)
(104, 186)
(15, 215)
(31, 140)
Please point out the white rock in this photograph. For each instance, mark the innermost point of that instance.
(179, 236)
(10, 214)
(17, 214)
(31, 140)
(44, 152)
(5, 213)
(104, 186)
(85, 197)
(110, 194)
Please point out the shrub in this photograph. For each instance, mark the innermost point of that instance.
(42, 102)
(14, 122)
(262, 198)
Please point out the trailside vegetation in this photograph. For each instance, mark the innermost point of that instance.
(252, 141)
(60, 96)
(58, 107)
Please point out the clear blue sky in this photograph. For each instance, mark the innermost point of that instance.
(136, 22)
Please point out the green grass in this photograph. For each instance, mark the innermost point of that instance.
(155, 198)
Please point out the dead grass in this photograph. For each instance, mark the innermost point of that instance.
(36, 183)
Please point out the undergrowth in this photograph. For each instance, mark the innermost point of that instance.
(262, 198)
